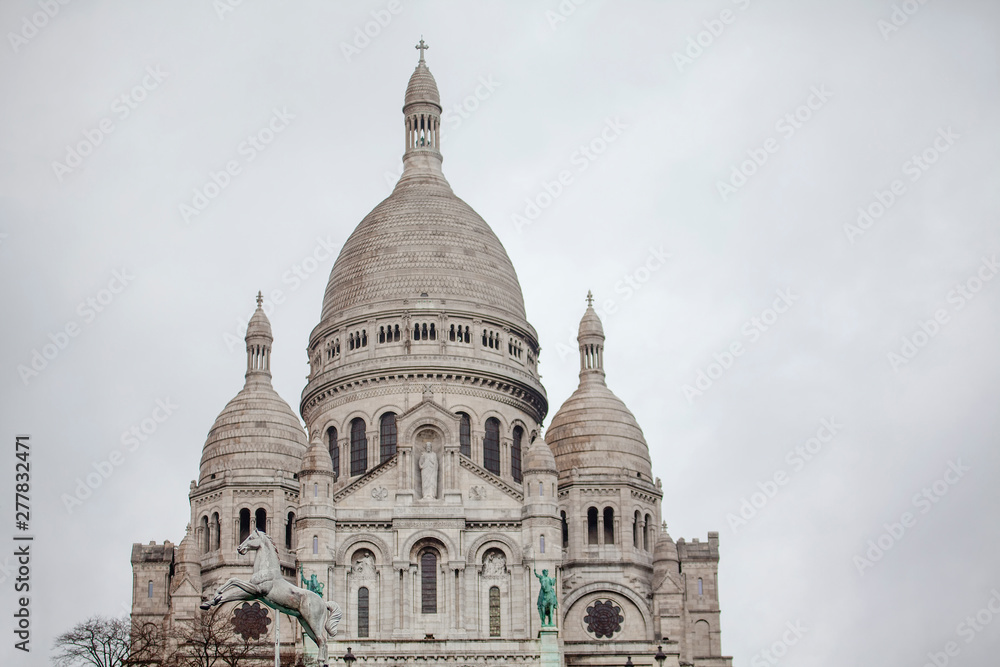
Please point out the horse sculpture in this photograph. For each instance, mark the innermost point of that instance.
(546, 598)
(316, 615)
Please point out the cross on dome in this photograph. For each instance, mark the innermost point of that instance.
(590, 298)
(421, 47)
(260, 299)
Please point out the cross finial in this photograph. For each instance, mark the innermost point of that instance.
(260, 299)
(421, 47)
(590, 298)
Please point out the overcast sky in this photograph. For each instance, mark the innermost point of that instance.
(740, 138)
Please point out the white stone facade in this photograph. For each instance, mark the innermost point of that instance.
(424, 352)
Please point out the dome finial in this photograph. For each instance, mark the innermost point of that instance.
(590, 298)
(260, 299)
(421, 47)
(259, 341)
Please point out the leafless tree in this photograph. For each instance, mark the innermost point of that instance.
(108, 642)
(212, 641)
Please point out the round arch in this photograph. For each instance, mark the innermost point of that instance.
(491, 540)
(408, 550)
(607, 587)
(372, 542)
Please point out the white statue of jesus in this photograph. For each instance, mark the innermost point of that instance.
(428, 473)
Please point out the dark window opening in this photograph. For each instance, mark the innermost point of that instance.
(260, 520)
(515, 455)
(494, 611)
(244, 524)
(428, 583)
(331, 435)
(387, 435)
(359, 447)
(362, 612)
(592, 525)
(491, 446)
(609, 525)
(465, 435)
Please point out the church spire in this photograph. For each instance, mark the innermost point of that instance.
(422, 119)
(591, 339)
(259, 341)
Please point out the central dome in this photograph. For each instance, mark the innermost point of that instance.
(423, 241)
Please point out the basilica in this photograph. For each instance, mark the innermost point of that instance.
(421, 495)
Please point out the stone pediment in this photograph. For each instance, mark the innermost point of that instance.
(475, 476)
(373, 483)
(427, 412)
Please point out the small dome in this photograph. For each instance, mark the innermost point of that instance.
(665, 547)
(591, 325)
(539, 457)
(259, 325)
(594, 429)
(187, 550)
(422, 88)
(317, 458)
(256, 433)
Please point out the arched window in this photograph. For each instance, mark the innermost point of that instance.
(491, 446)
(206, 538)
(647, 531)
(387, 435)
(244, 524)
(315, 544)
(701, 586)
(362, 612)
(494, 611)
(428, 582)
(288, 530)
(465, 435)
(395, 334)
(359, 447)
(149, 589)
(331, 439)
(592, 525)
(609, 525)
(260, 519)
(635, 530)
(216, 531)
(515, 455)
(565, 530)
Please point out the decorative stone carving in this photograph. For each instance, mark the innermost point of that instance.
(494, 565)
(477, 492)
(250, 621)
(364, 566)
(380, 492)
(604, 618)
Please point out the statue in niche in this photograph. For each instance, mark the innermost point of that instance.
(495, 565)
(364, 566)
(428, 473)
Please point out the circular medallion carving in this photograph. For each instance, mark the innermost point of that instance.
(604, 618)
(250, 621)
